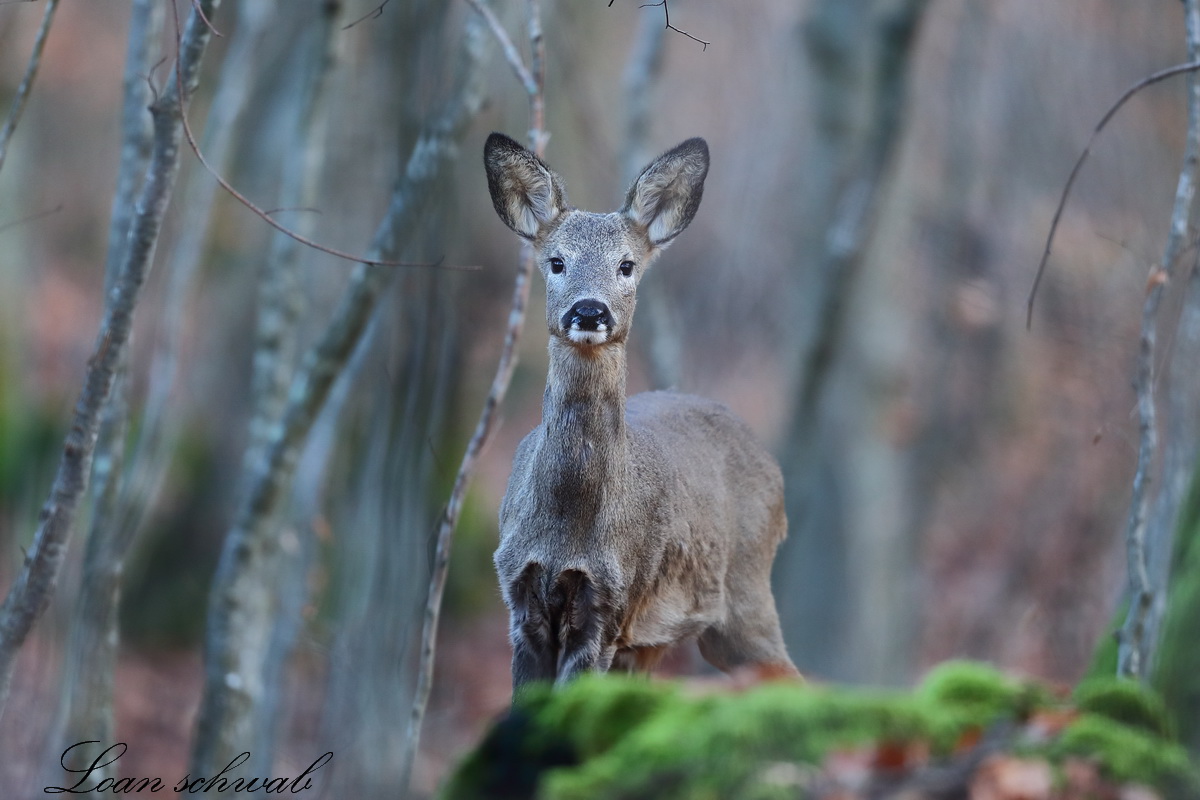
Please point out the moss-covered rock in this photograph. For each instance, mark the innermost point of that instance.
(629, 738)
(1127, 754)
(1124, 701)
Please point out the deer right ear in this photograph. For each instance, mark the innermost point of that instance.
(664, 198)
(527, 195)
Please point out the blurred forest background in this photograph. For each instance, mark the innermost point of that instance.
(884, 173)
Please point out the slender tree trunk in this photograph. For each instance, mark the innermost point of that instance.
(85, 708)
(1154, 509)
(860, 51)
(661, 344)
(241, 70)
(241, 603)
(29, 596)
(280, 305)
(533, 79)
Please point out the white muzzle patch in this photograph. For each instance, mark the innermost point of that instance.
(579, 336)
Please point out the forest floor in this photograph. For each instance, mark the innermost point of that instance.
(158, 694)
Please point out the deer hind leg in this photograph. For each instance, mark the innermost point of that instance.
(749, 638)
(640, 659)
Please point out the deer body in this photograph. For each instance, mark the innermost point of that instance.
(631, 525)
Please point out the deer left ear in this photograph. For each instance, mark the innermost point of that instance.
(526, 194)
(665, 197)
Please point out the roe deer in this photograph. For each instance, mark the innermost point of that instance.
(626, 527)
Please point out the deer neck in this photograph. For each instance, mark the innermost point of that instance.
(583, 410)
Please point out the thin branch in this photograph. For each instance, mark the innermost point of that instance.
(31, 218)
(511, 55)
(376, 13)
(538, 137)
(1137, 635)
(1161, 75)
(304, 240)
(280, 209)
(669, 26)
(30, 594)
(200, 10)
(23, 90)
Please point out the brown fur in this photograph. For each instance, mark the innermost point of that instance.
(627, 526)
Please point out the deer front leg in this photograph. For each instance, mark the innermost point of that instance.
(531, 630)
(592, 657)
(586, 625)
(533, 660)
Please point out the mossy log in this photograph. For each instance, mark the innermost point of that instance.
(967, 725)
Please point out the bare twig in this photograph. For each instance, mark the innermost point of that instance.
(375, 13)
(1137, 635)
(31, 218)
(534, 87)
(200, 10)
(34, 586)
(1150, 80)
(23, 90)
(304, 240)
(511, 54)
(280, 209)
(667, 18)
(669, 26)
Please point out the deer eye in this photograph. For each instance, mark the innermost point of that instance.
(557, 265)
(626, 268)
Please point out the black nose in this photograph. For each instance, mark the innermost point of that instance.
(587, 315)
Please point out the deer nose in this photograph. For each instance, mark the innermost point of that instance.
(587, 315)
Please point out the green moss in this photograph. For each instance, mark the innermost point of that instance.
(1124, 701)
(641, 739)
(594, 713)
(980, 693)
(621, 738)
(1127, 753)
(1104, 658)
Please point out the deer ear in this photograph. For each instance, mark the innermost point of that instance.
(665, 196)
(527, 195)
